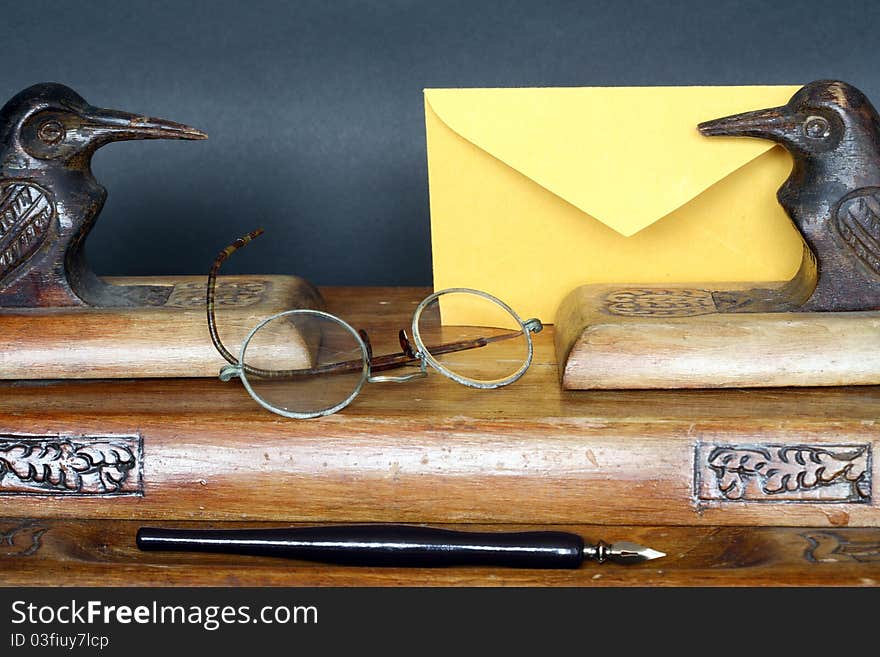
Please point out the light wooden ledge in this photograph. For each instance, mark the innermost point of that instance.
(170, 340)
(644, 337)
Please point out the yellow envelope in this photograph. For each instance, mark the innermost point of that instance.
(535, 192)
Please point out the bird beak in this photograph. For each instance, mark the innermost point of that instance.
(112, 125)
(767, 124)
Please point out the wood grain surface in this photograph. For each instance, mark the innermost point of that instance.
(644, 337)
(435, 451)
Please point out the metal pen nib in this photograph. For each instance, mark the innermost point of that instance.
(621, 552)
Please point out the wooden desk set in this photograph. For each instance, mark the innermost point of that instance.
(749, 485)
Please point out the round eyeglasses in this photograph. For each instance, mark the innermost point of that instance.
(307, 363)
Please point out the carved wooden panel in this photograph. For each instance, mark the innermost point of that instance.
(782, 473)
(21, 538)
(860, 545)
(71, 465)
(237, 294)
(658, 302)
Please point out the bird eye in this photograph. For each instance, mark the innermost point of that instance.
(51, 132)
(817, 127)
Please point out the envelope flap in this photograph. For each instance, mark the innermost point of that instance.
(626, 156)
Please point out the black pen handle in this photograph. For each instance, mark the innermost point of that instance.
(379, 545)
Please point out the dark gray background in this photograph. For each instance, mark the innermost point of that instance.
(315, 111)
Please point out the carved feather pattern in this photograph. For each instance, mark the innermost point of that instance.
(857, 220)
(26, 211)
(787, 469)
(67, 466)
(658, 302)
(227, 293)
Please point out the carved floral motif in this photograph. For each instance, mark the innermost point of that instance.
(86, 465)
(833, 473)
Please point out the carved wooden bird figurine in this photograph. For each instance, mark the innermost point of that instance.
(833, 193)
(49, 199)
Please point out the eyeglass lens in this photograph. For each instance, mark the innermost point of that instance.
(306, 362)
(505, 346)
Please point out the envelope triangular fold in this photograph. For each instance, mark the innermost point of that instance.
(627, 156)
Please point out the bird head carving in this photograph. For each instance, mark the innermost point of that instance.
(49, 199)
(822, 119)
(832, 196)
(50, 124)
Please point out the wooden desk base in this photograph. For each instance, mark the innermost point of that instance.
(685, 472)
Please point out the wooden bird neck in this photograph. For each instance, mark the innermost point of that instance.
(846, 282)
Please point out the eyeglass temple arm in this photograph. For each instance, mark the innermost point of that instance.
(211, 295)
(409, 354)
